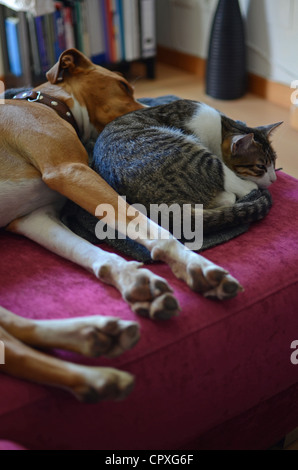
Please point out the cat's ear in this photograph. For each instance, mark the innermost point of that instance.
(268, 130)
(241, 143)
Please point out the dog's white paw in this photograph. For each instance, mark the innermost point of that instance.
(106, 336)
(200, 274)
(147, 294)
(94, 384)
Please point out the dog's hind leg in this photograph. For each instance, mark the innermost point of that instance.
(91, 336)
(88, 384)
(145, 292)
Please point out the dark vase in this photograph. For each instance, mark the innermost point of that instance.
(226, 68)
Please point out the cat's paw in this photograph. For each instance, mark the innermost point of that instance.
(252, 196)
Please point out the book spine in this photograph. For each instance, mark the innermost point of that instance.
(49, 34)
(136, 30)
(116, 30)
(43, 56)
(13, 45)
(95, 28)
(3, 41)
(69, 27)
(107, 31)
(127, 21)
(2, 46)
(147, 28)
(25, 48)
(110, 30)
(1, 62)
(121, 26)
(86, 35)
(34, 45)
(79, 32)
(60, 44)
(105, 23)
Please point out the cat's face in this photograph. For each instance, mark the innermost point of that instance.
(251, 156)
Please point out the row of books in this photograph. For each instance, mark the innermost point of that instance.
(107, 31)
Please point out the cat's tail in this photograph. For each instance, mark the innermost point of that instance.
(249, 209)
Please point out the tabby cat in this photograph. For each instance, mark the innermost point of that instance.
(186, 152)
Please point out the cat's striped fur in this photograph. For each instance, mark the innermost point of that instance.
(188, 153)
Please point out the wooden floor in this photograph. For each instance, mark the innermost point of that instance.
(250, 109)
(293, 446)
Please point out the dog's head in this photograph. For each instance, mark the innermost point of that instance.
(106, 95)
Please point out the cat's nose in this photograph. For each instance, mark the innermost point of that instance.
(272, 174)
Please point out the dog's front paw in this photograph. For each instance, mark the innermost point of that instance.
(212, 281)
(147, 294)
(200, 274)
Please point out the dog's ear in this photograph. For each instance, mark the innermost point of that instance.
(70, 61)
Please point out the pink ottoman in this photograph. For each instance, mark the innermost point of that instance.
(219, 376)
(8, 445)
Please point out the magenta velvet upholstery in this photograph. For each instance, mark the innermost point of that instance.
(218, 376)
(8, 445)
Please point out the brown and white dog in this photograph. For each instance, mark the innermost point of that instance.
(42, 162)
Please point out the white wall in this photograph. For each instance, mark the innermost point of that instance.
(271, 26)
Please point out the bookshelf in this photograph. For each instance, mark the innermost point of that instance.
(112, 33)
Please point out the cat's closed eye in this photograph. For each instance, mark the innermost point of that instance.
(262, 167)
